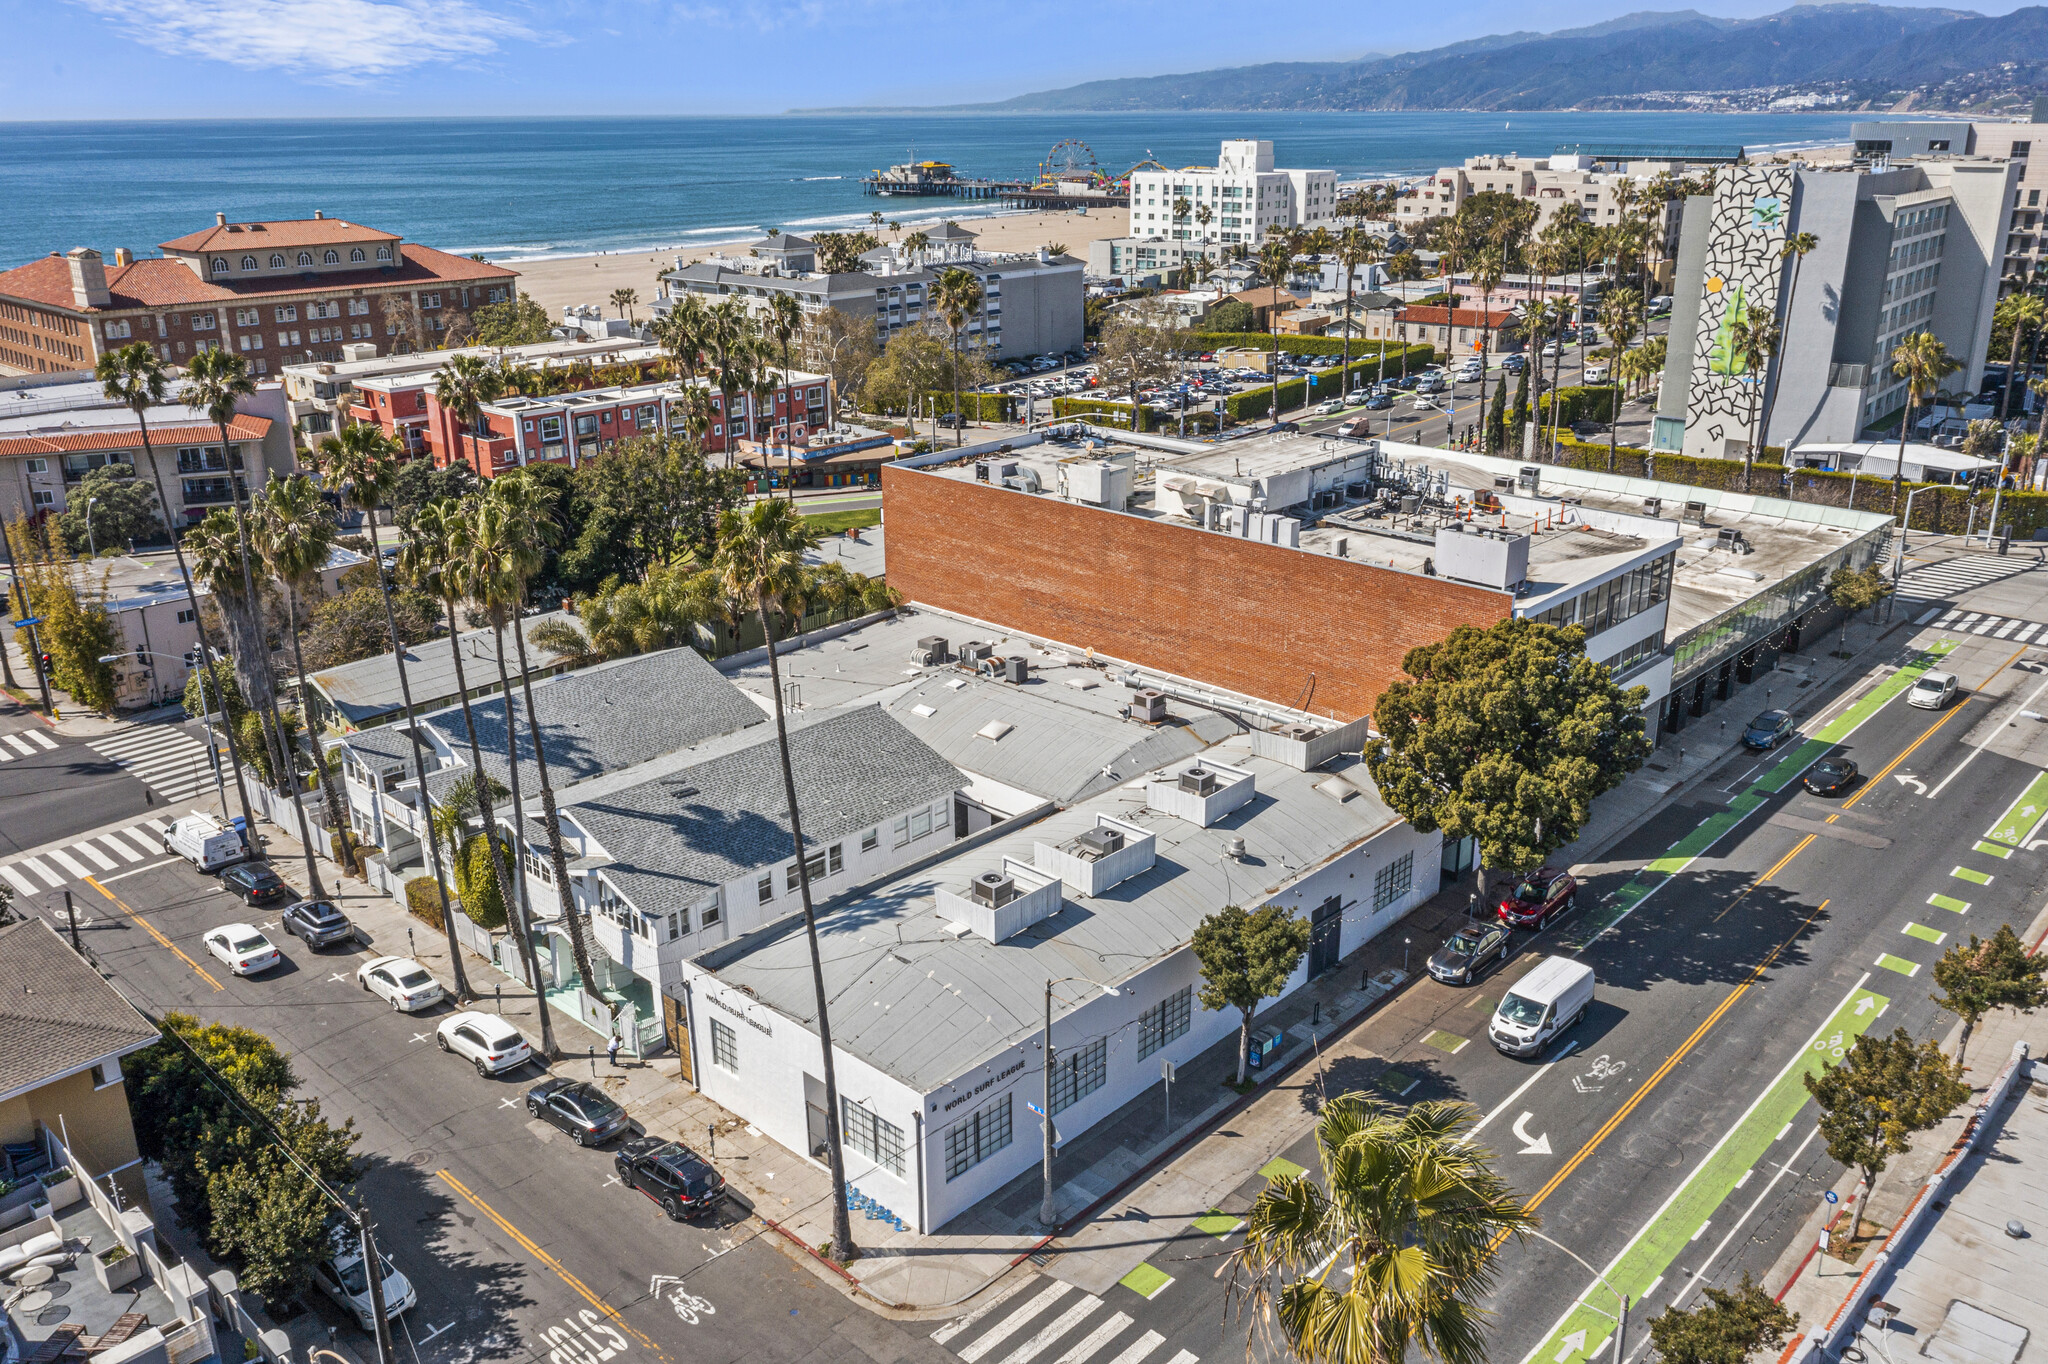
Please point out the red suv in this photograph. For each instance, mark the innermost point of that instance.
(1538, 898)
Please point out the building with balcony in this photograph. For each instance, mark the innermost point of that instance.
(365, 694)
(1240, 200)
(2025, 249)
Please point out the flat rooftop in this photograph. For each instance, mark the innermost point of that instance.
(540, 355)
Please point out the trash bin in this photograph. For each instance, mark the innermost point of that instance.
(1266, 1042)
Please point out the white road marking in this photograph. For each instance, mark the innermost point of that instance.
(1016, 1321)
(1052, 1331)
(152, 866)
(14, 878)
(44, 740)
(343, 975)
(955, 1327)
(48, 877)
(2028, 704)
(126, 853)
(1142, 1346)
(68, 862)
(1095, 1340)
(1763, 1193)
(513, 1102)
(1519, 1092)
(421, 1036)
(15, 739)
(95, 856)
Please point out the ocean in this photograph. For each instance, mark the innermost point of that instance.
(527, 189)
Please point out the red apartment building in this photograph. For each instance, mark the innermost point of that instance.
(278, 292)
(1456, 333)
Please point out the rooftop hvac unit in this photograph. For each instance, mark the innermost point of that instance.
(1697, 512)
(1531, 475)
(1731, 539)
(1148, 704)
(1299, 731)
(1653, 506)
(1200, 780)
(1410, 504)
(973, 651)
(930, 650)
(1505, 483)
(1016, 668)
(993, 889)
(1098, 843)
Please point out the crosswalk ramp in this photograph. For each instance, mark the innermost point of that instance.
(164, 758)
(54, 868)
(1045, 1321)
(26, 744)
(1960, 622)
(1935, 582)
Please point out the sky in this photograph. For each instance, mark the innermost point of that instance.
(117, 59)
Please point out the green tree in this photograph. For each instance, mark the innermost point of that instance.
(624, 299)
(1246, 958)
(1993, 973)
(1882, 1091)
(841, 345)
(956, 297)
(1497, 421)
(1403, 266)
(216, 680)
(1137, 351)
(1411, 1224)
(1923, 362)
(462, 387)
(649, 500)
(1231, 316)
(76, 631)
(518, 321)
(122, 510)
(476, 882)
(1518, 416)
(1506, 736)
(1754, 341)
(2021, 315)
(912, 364)
(418, 482)
(1856, 589)
(353, 623)
(1727, 1328)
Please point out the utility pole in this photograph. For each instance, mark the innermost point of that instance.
(374, 1268)
(71, 917)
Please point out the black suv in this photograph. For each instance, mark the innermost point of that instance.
(254, 883)
(580, 1109)
(675, 1177)
(318, 923)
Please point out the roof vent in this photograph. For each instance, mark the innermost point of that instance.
(993, 889)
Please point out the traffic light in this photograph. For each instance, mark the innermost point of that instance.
(46, 664)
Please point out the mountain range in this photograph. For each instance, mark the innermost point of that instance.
(1856, 53)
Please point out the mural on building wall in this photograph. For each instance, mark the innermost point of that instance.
(1751, 207)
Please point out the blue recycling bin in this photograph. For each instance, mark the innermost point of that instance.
(1266, 1042)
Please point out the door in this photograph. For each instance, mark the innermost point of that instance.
(1325, 936)
(814, 1111)
(678, 1020)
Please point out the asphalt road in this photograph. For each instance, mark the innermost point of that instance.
(521, 1245)
(52, 785)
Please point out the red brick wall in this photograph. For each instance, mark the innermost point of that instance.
(1257, 619)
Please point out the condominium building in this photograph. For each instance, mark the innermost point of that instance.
(1239, 199)
(277, 292)
(2026, 237)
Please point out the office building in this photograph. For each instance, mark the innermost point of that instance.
(2026, 243)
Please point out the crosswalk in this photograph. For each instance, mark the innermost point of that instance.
(55, 868)
(1935, 582)
(26, 744)
(1958, 621)
(1038, 1316)
(164, 758)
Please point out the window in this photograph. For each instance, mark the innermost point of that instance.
(356, 257)
(1164, 1021)
(709, 913)
(725, 1048)
(305, 257)
(248, 317)
(39, 466)
(359, 307)
(834, 864)
(106, 1073)
(871, 840)
(765, 887)
(43, 497)
(187, 616)
(875, 1138)
(1393, 881)
(977, 1136)
(675, 927)
(202, 322)
(430, 300)
(248, 262)
(2020, 150)
(220, 265)
(288, 312)
(790, 879)
(331, 258)
(121, 331)
(1079, 1073)
(383, 253)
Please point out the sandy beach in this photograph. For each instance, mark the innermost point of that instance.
(591, 279)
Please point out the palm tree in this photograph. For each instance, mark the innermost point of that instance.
(956, 296)
(761, 386)
(360, 463)
(760, 558)
(785, 323)
(294, 534)
(1355, 247)
(1276, 258)
(216, 382)
(624, 299)
(2039, 388)
(681, 331)
(728, 331)
(436, 557)
(137, 377)
(915, 245)
(875, 220)
(1489, 267)
(1181, 209)
(1754, 340)
(1923, 362)
(1416, 1216)
(2020, 313)
(462, 387)
(1203, 215)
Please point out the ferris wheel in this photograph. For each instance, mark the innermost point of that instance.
(1069, 159)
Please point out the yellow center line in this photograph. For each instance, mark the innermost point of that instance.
(1780, 866)
(150, 929)
(550, 1261)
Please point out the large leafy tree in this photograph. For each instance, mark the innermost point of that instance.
(1987, 974)
(1882, 1091)
(109, 509)
(1393, 1251)
(353, 624)
(76, 631)
(517, 322)
(1506, 735)
(1730, 1326)
(1246, 957)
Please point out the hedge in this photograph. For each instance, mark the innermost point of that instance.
(1149, 419)
(1258, 401)
(980, 407)
(1595, 402)
(1295, 345)
(423, 899)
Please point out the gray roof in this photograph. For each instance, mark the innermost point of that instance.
(674, 837)
(366, 691)
(383, 743)
(604, 718)
(56, 1015)
(924, 1006)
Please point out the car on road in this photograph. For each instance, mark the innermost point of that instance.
(1831, 776)
(1378, 402)
(243, 948)
(1432, 383)
(1285, 426)
(1932, 691)
(1553, 996)
(1467, 953)
(318, 924)
(582, 1110)
(342, 1277)
(1768, 730)
(1538, 898)
(1595, 374)
(486, 1039)
(402, 981)
(255, 884)
(952, 420)
(681, 1182)
(1327, 409)
(204, 842)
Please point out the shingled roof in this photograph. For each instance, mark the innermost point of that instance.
(57, 1017)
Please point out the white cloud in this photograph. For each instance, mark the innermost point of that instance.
(340, 41)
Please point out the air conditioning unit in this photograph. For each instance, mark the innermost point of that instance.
(1530, 476)
(993, 889)
(1100, 842)
(1653, 506)
(1148, 704)
(1300, 732)
(973, 651)
(930, 650)
(1199, 780)
(1016, 668)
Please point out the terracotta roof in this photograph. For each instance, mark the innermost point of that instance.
(163, 282)
(59, 442)
(57, 1016)
(290, 232)
(1466, 317)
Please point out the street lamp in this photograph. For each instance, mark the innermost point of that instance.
(1899, 551)
(1048, 1211)
(1621, 1321)
(92, 548)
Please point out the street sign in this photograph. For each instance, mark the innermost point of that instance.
(27, 621)
(1166, 1070)
(1831, 1196)
(1034, 1108)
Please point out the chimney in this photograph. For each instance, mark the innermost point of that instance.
(88, 278)
(123, 256)
(318, 214)
(220, 220)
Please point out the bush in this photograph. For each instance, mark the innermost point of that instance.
(1594, 403)
(1258, 401)
(980, 407)
(423, 899)
(476, 877)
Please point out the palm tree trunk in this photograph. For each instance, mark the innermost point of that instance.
(1556, 412)
(959, 418)
(842, 1224)
(1963, 1041)
(1905, 425)
(515, 898)
(463, 993)
(1273, 327)
(1344, 372)
(558, 858)
(524, 940)
(205, 645)
(342, 832)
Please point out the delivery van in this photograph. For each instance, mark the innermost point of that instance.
(204, 842)
(1540, 1005)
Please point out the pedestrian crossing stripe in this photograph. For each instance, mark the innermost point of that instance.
(1978, 623)
(1946, 579)
(131, 845)
(164, 758)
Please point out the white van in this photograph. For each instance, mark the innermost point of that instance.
(1540, 1005)
(202, 841)
(1595, 374)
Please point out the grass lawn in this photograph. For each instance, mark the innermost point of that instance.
(831, 522)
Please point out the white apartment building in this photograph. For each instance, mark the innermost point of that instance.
(1557, 184)
(1245, 197)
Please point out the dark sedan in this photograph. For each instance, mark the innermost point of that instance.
(582, 1110)
(1378, 402)
(681, 1182)
(1469, 952)
(1768, 729)
(1831, 776)
(254, 883)
(318, 923)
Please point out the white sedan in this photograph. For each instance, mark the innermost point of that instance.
(245, 950)
(401, 980)
(489, 1041)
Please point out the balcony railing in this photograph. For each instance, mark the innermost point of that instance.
(402, 814)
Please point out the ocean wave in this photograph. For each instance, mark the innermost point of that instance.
(808, 178)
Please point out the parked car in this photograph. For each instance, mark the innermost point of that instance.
(1538, 898)
(1831, 776)
(582, 1110)
(681, 1182)
(1328, 409)
(1285, 426)
(1539, 1006)
(486, 1039)
(318, 923)
(400, 980)
(205, 842)
(243, 948)
(1932, 691)
(1769, 729)
(952, 420)
(1465, 956)
(343, 1277)
(255, 884)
